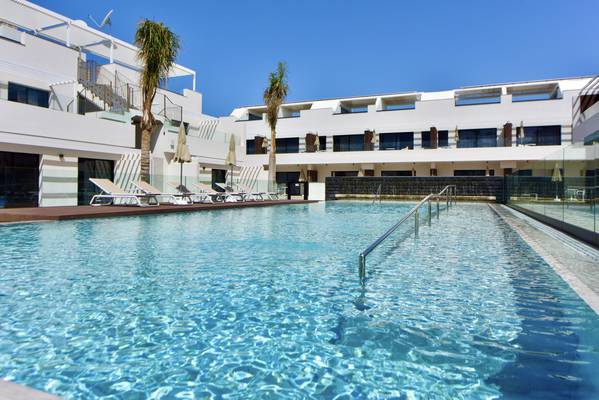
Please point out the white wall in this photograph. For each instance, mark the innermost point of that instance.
(37, 126)
(58, 181)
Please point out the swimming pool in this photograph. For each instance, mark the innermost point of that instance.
(266, 303)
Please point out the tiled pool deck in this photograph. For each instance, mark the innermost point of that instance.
(12, 391)
(8, 215)
(576, 262)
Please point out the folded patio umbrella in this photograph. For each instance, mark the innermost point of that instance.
(182, 153)
(231, 159)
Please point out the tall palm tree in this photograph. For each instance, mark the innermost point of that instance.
(274, 96)
(158, 48)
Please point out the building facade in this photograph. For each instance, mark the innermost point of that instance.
(491, 130)
(69, 99)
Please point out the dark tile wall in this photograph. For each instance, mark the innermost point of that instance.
(483, 186)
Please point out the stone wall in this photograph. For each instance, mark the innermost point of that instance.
(483, 187)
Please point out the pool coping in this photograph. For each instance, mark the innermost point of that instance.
(13, 391)
(551, 245)
(39, 214)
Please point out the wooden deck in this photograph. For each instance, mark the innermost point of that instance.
(8, 215)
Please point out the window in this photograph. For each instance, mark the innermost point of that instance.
(345, 173)
(288, 145)
(479, 96)
(28, 95)
(443, 137)
(19, 179)
(404, 102)
(254, 117)
(322, 143)
(542, 135)
(288, 177)
(473, 172)
(218, 176)
(348, 143)
(477, 138)
(524, 172)
(92, 168)
(397, 173)
(250, 146)
(356, 106)
(353, 109)
(534, 92)
(398, 106)
(396, 141)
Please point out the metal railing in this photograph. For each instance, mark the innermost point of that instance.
(117, 93)
(448, 194)
(377, 195)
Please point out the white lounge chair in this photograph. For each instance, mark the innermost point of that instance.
(252, 194)
(195, 197)
(174, 198)
(231, 192)
(112, 192)
(213, 194)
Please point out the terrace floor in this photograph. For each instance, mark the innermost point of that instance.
(8, 215)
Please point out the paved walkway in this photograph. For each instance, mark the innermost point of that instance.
(12, 391)
(576, 262)
(78, 212)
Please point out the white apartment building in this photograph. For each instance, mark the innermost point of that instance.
(68, 96)
(471, 131)
(69, 99)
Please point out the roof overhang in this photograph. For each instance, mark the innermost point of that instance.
(75, 34)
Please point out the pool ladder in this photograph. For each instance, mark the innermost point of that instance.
(377, 194)
(448, 194)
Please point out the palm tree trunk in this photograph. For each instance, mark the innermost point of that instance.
(272, 161)
(146, 135)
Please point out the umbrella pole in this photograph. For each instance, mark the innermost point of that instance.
(181, 174)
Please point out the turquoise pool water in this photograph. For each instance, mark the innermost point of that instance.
(266, 303)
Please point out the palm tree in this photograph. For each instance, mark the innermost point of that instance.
(274, 96)
(158, 48)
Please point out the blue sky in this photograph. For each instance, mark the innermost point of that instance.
(339, 48)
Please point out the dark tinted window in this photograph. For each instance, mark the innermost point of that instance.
(443, 137)
(396, 141)
(250, 146)
(473, 172)
(28, 95)
(19, 174)
(348, 143)
(322, 140)
(397, 173)
(288, 145)
(345, 173)
(477, 138)
(288, 177)
(92, 168)
(542, 135)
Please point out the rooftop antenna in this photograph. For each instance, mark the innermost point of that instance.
(105, 21)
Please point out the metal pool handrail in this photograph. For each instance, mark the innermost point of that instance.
(448, 191)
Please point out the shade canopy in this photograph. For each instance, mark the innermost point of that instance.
(182, 153)
(231, 155)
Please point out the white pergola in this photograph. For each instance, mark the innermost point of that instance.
(76, 34)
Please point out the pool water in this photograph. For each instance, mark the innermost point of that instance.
(266, 303)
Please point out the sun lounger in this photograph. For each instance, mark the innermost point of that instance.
(174, 198)
(194, 196)
(254, 195)
(232, 192)
(208, 191)
(112, 192)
